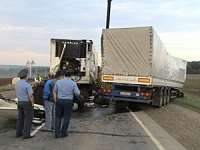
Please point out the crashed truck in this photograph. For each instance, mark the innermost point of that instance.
(78, 57)
(136, 67)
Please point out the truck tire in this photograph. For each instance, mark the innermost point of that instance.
(79, 100)
(161, 97)
(158, 97)
(85, 94)
(168, 95)
(164, 97)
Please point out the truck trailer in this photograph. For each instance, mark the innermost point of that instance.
(78, 57)
(136, 67)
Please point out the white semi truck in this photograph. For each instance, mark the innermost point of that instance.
(136, 67)
(78, 57)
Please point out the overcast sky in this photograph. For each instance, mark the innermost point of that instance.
(26, 26)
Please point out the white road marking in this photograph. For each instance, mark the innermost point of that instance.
(160, 147)
(37, 129)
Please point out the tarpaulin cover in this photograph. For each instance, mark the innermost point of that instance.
(139, 52)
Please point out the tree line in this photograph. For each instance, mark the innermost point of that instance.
(193, 67)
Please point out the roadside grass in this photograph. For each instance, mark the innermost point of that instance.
(189, 101)
(7, 87)
(191, 89)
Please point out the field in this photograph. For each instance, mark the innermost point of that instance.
(5, 81)
(6, 84)
(191, 91)
(192, 85)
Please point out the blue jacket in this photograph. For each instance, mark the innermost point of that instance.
(47, 91)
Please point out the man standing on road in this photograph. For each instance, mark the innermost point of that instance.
(38, 78)
(63, 93)
(49, 104)
(25, 98)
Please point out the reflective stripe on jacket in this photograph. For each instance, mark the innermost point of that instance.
(38, 79)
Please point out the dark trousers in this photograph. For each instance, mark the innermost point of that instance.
(63, 111)
(25, 118)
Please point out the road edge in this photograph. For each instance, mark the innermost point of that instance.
(166, 141)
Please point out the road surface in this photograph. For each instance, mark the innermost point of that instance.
(96, 128)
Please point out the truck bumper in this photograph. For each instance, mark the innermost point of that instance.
(128, 93)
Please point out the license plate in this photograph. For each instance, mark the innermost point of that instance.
(125, 93)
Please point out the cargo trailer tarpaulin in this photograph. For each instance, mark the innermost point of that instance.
(140, 52)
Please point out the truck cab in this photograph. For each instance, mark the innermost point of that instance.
(78, 57)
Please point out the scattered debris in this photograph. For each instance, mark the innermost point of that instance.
(91, 98)
(90, 105)
(104, 106)
(75, 107)
(8, 109)
(38, 121)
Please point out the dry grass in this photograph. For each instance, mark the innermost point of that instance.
(192, 85)
(7, 87)
(5, 81)
(191, 91)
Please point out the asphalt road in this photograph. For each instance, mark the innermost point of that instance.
(96, 128)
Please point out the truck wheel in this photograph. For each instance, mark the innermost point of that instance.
(79, 100)
(158, 97)
(85, 94)
(168, 96)
(164, 97)
(161, 98)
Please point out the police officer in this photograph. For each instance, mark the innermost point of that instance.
(25, 98)
(63, 93)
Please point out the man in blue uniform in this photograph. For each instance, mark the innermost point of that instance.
(49, 104)
(25, 98)
(63, 92)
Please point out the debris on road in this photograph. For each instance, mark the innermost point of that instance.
(92, 105)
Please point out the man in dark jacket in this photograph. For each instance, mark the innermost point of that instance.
(49, 104)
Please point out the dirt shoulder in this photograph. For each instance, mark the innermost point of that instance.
(182, 123)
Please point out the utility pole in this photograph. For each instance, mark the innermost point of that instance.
(108, 14)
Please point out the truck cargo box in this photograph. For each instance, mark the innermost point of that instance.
(131, 53)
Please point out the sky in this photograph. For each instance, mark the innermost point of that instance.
(26, 26)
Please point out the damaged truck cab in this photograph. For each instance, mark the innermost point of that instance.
(78, 57)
